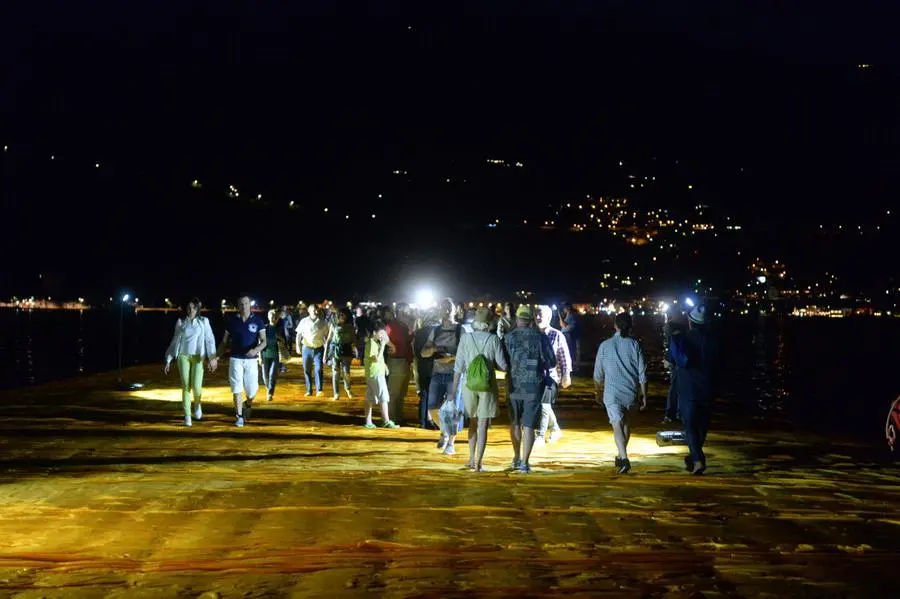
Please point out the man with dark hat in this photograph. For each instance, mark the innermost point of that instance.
(694, 354)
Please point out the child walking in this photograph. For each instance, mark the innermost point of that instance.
(376, 375)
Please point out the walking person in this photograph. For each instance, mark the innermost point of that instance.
(270, 357)
(672, 413)
(192, 342)
(424, 368)
(621, 370)
(311, 333)
(560, 376)
(442, 343)
(507, 320)
(530, 358)
(571, 330)
(695, 355)
(399, 363)
(363, 325)
(245, 338)
(340, 345)
(286, 325)
(376, 373)
(479, 356)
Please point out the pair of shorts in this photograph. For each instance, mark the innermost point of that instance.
(480, 404)
(377, 390)
(617, 411)
(243, 376)
(525, 413)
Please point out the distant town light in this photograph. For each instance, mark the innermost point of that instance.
(373, 216)
(126, 297)
(97, 165)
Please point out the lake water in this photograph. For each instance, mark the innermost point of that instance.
(837, 375)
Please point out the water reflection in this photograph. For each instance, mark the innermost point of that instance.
(29, 351)
(79, 343)
(769, 365)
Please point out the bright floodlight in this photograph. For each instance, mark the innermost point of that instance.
(689, 302)
(663, 307)
(126, 297)
(761, 279)
(253, 303)
(425, 298)
(554, 307)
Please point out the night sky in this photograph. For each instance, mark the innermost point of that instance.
(320, 105)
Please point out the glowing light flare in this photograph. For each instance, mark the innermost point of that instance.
(425, 298)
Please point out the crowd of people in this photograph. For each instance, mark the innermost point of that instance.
(453, 356)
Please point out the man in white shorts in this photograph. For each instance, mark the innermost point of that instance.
(245, 338)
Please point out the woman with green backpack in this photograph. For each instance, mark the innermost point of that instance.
(479, 355)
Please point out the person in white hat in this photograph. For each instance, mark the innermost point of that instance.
(695, 354)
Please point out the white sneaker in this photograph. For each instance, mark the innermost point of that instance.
(198, 413)
(555, 436)
(187, 420)
(539, 442)
(449, 450)
(239, 422)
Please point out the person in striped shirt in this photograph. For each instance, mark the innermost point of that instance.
(560, 376)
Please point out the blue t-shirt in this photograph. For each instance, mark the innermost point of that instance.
(244, 334)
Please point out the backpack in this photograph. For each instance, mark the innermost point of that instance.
(479, 374)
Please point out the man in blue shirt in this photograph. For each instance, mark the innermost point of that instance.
(245, 338)
(695, 355)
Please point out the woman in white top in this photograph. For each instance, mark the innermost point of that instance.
(193, 340)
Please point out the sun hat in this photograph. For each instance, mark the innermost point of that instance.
(525, 312)
(698, 315)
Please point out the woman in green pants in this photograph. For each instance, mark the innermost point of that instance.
(192, 342)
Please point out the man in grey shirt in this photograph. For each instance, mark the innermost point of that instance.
(622, 371)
